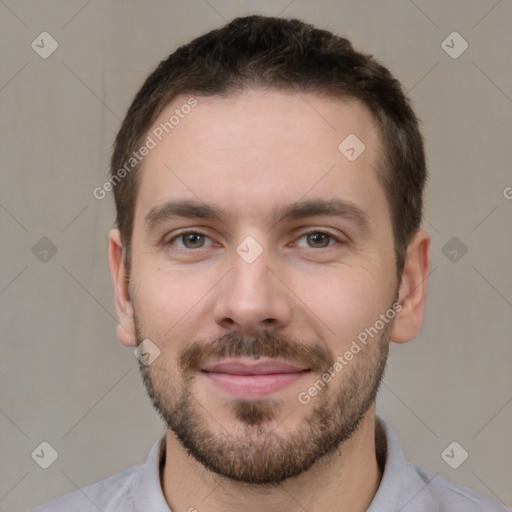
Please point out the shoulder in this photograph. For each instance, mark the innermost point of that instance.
(446, 496)
(409, 488)
(113, 493)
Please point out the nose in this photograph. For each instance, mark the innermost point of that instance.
(252, 298)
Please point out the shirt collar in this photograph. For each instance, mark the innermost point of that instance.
(388, 449)
(147, 489)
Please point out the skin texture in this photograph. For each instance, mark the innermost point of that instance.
(304, 299)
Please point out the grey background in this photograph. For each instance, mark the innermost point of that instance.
(64, 377)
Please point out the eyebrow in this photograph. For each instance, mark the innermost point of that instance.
(328, 207)
(187, 208)
(181, 208)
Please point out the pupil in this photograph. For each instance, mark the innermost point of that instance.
(319, 238)
(194, 238)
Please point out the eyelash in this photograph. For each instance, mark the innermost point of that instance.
(197, 232)
(184, 233)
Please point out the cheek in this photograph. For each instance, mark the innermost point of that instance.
(166, 299)
(344, 301)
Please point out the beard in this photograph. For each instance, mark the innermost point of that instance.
(252, 451)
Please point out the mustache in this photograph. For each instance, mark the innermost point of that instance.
(266, 344)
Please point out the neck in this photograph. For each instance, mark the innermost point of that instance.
(345, 480)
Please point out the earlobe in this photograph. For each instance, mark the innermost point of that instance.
(412, 294)
(125, 336)
(124, 309)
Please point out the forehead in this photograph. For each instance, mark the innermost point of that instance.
(256, 149)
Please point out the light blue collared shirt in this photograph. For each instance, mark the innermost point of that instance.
(403, 488)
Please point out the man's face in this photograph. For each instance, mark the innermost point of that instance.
(273, 277)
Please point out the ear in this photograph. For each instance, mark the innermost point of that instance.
(126, 329)
(412, 293)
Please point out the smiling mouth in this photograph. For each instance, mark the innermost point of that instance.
(250, 379)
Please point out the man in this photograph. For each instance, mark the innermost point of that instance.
(268, 182)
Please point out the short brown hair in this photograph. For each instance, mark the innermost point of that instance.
(277, 53)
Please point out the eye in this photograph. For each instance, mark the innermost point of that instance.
(318, 239)
(189, 240)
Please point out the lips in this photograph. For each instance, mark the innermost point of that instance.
(255, 368)
(246, 379)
